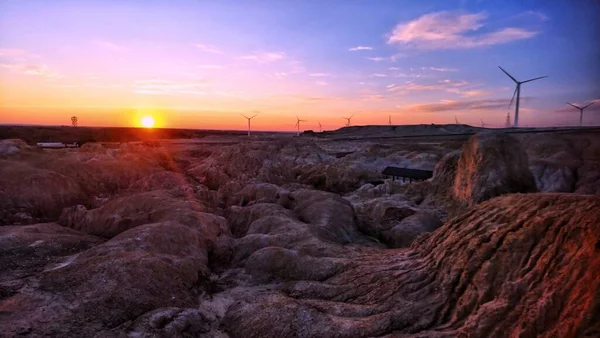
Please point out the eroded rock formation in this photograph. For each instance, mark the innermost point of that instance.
(286, 237)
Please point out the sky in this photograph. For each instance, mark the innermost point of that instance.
(200, 64)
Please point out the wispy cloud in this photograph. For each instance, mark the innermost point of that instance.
(111, 46)
(378, 75)
(450, 105)
(296, 67)
(474, 93)
(359, 48)
(377, 58)
(210, 67)
(452, 30)
(321, 83)
(208, 48)
(532, 14)
(374, 97)
(443, 85)
(33, 70)
(319, 74)
(436, 69)
(281, 75)
(393, 68)
(167, 87)
(17, 53)
(405, 75)
(264, 57)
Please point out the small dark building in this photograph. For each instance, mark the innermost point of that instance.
(411, 174)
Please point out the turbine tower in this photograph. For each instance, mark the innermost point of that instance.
(390, 120)
(455, 119)
(482, 124)
(298, 124)
(581, 110)
(348, 120)
(320, 127)
(249, 118)
(518, 93)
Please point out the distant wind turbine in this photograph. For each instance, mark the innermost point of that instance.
(482, 124)
(507, 123)
(581, 110)
(518, 93)
(298, 124)
(455, 120)
(390, 120)
(249, 118)
(348, 120)
(320, 127)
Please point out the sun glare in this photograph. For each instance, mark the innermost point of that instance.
(147, 121)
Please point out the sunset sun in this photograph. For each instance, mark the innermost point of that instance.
(147, 121)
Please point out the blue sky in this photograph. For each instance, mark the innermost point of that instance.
(201, 63)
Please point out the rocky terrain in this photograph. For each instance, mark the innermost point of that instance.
(281, 236)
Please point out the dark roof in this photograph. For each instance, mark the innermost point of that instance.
(408, 173)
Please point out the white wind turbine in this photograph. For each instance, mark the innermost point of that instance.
(298, 124)
(518, 93)
(249, 118)
(581, 110)
(348, 119)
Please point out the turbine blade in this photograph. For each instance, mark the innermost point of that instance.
(537, 78)
(253, 116)
(513, 97)
(589, 104)
(244, 115)
(574, 106)
(505, 72)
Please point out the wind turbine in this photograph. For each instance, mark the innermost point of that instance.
(518, 93)
(249, 118)
(390, 120)
(581, 110)
(348, 119)
(482, 124)
(455, 120)
(298, 124)
(507, 123)
(320, 127)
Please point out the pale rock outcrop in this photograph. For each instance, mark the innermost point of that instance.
(551, 177)
(12, 146)
(491, 164)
